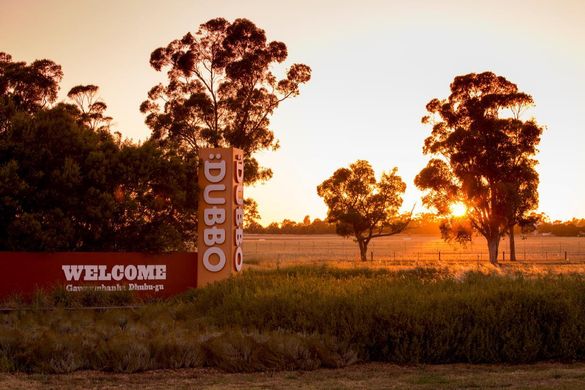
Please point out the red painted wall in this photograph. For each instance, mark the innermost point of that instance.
(160, 275)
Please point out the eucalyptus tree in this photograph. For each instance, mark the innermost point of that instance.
(221, 90)
(482, 155)
(361, 206)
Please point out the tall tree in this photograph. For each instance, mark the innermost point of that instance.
(221, 90)
(90, 106)
(26, 88)
(361, 206)
(483, 155)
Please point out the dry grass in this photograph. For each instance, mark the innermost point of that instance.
(363, 376)
(537, 255)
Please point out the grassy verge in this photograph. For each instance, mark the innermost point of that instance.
(359, 376)
(307, 318)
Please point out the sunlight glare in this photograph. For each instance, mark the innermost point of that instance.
(458, 209)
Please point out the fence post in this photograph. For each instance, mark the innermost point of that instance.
(372, 255)
(503, 255)
(439, 255)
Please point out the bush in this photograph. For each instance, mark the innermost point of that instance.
(305, 318)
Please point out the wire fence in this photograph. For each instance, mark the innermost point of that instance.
(410, 248)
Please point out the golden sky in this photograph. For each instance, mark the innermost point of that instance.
(375, 66)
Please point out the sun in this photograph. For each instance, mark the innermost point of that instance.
(458, 209)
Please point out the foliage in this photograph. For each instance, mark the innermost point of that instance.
(251, 214)
(91, 108)
(305, 318)
(572, 228)
(26, 88)
(481, 157)
(66, 183)
(362, 207)
(221, 90)
(287, 226)
(425, 223)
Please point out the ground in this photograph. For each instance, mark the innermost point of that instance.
(536, 254)
(359, 376)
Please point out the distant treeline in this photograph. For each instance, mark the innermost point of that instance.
(287, 226)
(421, 224)
(572, 228)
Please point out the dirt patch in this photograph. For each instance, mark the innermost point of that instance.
(359, 376)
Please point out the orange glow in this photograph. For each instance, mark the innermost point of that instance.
(458, 209)
(376, 64)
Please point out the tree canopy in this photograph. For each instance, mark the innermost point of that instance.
(221, 90)
(26, 88)
(91, 108)
(66, 185)
(361, 206)
(483, 155)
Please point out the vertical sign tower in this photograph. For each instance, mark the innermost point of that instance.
(221, 214)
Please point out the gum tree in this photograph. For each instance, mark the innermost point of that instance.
(361, 206)
(221, 90)
(482, 155)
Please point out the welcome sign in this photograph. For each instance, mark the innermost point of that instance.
(146, 274)
(220, 238)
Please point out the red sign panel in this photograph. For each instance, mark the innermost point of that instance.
(146, 274)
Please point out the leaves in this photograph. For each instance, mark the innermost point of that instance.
(221, 90)
(361, 206)
(67, 183)
(482, 154)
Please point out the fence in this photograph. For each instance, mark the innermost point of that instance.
(410, 248)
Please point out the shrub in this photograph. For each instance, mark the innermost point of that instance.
(305, 318)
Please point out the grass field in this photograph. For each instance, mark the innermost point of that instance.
(534, 253)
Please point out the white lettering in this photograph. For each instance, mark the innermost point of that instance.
(214, 216)
(210, 166)
(239, 216)
(220, 256)
(104, 275)
(239, 194)
(91, 272)
(130, 272)
(161, 272)
(207, 194)
(239, 237)
(239, 259)
(145, 272)
(213, 236)
(72, 272)
(239, 170)
(118, 272)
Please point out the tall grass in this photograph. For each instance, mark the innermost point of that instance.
(305, 318)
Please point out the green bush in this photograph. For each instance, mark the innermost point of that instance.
(305, 318)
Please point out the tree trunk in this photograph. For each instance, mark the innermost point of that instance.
(363, 249)
(512, 244)
(493, 244)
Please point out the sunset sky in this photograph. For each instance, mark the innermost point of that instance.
(375, 66)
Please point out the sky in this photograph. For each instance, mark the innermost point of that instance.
(375, 65)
